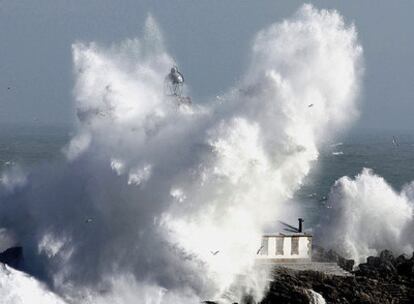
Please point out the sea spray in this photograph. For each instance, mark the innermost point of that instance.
(366, 215)
(316, 298)
(170, 202)
(17, 287)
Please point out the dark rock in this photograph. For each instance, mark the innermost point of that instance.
(12, 257)
(383, 279)
(405, 268)
(400, 259)
(373, 261)
(364, 298)
(385, 266)
(321, 255)
(248, 299)
(386, 255)
(346, 264)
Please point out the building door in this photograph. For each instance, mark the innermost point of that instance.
(295, 245)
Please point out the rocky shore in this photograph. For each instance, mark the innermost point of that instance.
(12, 257)
(384, 279)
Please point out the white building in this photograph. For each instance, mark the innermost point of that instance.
(286, 248)
(295, 247)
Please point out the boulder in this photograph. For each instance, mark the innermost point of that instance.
(321, 255)
(386, 256)
(405, 268)
(12, 257)
(373, 261)
(346, 264)
(400, 260)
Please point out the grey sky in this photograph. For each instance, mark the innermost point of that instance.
(205, 37)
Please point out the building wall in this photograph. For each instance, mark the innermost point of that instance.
(304, 247)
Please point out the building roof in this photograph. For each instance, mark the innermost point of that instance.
(286, 229)
(279, 234)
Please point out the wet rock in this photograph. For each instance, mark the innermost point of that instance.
(386, 256)
(12, 257)
(346, 264)
(383, 279)
(405, 268)
(373, 261)
(247, 299)
(321, 255)
(400, 259)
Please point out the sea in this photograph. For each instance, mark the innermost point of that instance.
(29, 145)
(389, 154)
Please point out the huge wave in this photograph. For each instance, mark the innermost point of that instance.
(150, 190)
(366, 215)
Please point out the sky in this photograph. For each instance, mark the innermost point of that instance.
(210, 41)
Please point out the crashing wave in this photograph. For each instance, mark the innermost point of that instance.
(367, 216)
(161, 186)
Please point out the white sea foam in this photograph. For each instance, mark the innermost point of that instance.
(188, 181)
(13, 177)
(367, 216)
(316, 298)
(19, 288)
(336, 144)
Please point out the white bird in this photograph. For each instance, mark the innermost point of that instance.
(215, 252)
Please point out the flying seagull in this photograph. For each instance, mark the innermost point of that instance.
(89, 220)
(215, 252)
(310, 105)
(260, 249)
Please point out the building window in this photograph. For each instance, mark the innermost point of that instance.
(295, 245)
(279, 246)
(265, 246)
